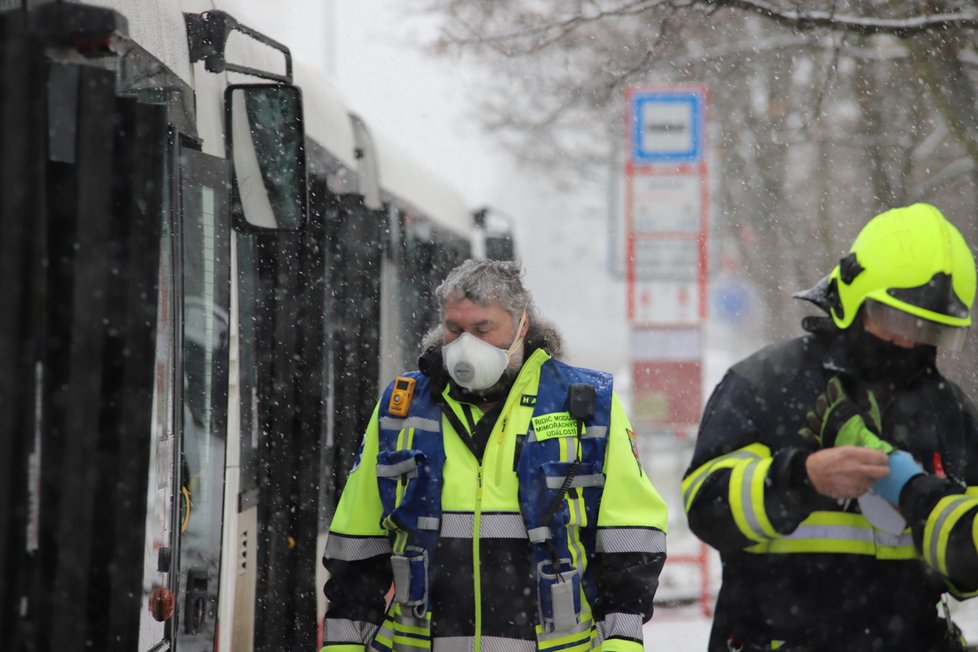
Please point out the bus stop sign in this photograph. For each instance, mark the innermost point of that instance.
(667, 127)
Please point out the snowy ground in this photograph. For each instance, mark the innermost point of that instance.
(677, 629)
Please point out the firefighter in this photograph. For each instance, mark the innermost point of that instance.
(805, 446)
(499, 489)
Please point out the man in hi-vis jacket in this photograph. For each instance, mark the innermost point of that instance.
(837, 473)
(499, 489)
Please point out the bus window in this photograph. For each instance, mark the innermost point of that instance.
(204, 308)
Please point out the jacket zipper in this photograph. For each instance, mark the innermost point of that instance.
(477, 570)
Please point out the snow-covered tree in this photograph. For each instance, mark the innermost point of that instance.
(823, 112)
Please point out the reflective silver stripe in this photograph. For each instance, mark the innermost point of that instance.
(750, 515)
(592, 480)
(342, 630)
(932, 546)
(576, 508)
(347, 548)
(851, 533)
(889, 540)
(487, 644)
(396, 470)
(461, 525)
(502, 526)
(538, 534)
(568, 448)
(840, 532)
(630, 539)
(597, 432)
(621, 625)
(418, 423)
(457, 526)
(428, 523)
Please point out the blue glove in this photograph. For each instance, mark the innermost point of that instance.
(902, 467)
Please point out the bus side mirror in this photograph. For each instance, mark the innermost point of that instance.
(265, 142)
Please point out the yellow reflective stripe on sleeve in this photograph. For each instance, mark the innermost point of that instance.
(691, 484)
(842, 533)
(747, 499)
(971, 491)
(342, 647)
(941, 521)
(621, 645)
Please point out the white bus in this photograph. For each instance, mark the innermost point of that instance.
(209, 264)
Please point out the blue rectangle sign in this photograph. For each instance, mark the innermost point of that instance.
(667, 127)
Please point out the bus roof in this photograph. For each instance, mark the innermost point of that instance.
(327, 118)
(408, 183)
(159, 28)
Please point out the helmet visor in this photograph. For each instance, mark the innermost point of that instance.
(917, 329)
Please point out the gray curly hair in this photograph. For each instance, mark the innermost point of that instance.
(495, 281)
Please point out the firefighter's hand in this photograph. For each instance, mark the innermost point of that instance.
(846, 471)
(837, 421)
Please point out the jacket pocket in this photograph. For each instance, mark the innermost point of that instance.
(404, 480)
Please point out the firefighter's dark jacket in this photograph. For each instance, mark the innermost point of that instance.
(483, 594)
(811, 571)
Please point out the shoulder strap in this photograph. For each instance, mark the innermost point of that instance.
(551, 438)
(548, 466)
(410, 461)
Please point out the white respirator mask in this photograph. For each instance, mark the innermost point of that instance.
(475, 364)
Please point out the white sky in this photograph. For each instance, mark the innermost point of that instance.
(424, 105)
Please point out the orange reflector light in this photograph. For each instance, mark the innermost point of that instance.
(161, 604)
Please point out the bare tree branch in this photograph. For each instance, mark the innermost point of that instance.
(551, 31)
(806, 19)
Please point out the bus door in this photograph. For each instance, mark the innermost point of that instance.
(356, 236)
(81, 200)
(201, 283)
(280, 259)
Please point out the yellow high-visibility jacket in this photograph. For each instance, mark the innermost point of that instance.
(483, 593)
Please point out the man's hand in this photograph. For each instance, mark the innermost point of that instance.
(846, 471)
(837, 421)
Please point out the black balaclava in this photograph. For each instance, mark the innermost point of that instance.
(876, 360)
